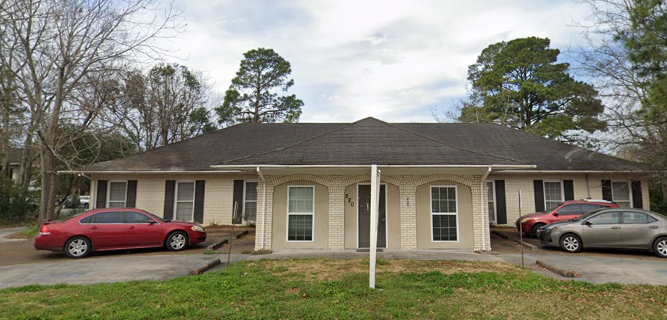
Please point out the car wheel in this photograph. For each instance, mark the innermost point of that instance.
(660, 247)
(533, 231)
(78, 247)
(570, 243)
(177, 241)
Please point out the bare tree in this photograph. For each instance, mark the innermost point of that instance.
(606, 59)
(63, 48)
(168, 104)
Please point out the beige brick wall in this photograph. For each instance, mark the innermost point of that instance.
(583, 188)
(219, 190)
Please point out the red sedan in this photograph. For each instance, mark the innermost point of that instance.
(114, 229)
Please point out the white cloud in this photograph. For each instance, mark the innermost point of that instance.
(352, 59)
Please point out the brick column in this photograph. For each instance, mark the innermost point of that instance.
(479, 227)
(268, 214)
(336, 214)
(408, 193)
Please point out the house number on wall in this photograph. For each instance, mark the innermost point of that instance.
(349, 200)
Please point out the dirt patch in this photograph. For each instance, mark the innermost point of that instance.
(17, 235)
(328, 269)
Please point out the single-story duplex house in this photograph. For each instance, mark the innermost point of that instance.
(307, 185)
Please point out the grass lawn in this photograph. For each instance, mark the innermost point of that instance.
(330, 289)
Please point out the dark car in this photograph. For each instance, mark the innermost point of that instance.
(114, 229)
(610, 228)
(530, 223)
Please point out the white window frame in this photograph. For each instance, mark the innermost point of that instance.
(629, 183)
(458, 226)
(245, 182)
(495, 206)
(109, 194)
(194, 196)
(544, 192)
(386, 215)
(312, 229)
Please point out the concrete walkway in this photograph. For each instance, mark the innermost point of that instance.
(106, 269)
(9, 231)
(387, 254)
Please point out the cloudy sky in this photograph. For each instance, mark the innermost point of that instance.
(392, 59)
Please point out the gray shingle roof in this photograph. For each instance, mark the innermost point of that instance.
(368, 141)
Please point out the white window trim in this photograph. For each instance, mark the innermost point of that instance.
(109, 194)
(194, 196)
(312, 229)
(544, 192)
(631, 204)
(244, 200)
(458, 226)
(386, 215)
(495, 205)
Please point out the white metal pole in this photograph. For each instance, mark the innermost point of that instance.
(375, 193)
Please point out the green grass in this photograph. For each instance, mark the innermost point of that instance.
(337, 289)
(29, 231)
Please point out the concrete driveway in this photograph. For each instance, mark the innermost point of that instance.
(109, 269)
(594, 265)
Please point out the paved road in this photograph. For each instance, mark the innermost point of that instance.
(111, 269)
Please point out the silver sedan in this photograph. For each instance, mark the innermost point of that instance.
(610, 228)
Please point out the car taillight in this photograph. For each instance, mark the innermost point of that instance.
(44, 230)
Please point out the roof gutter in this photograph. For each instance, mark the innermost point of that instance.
(147, 172)
(288, 166)
(261, 176)
(481, 190)
(573, 171)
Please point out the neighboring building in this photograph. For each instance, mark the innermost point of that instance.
(306, 185)
(14, 160)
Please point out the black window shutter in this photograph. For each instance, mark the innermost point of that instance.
(170, 189)
(199, 200)
(568, 188)
(501, 204)
(606, 190)
(538, 185)
(637, 195)
(101, 199)
(131, 199)
(238, 198)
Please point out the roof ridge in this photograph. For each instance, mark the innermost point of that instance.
(377, 120)
(453, 146)
(296, 144)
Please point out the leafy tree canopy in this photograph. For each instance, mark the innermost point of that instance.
(520, 84)
(253, 97)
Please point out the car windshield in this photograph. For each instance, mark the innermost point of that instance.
(156, 217)
(586, 215)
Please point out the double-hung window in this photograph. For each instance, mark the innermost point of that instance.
(444, 213)
(117, 197)
(553, 194)
(185, 200)
(300, 213)
(620, 193)
(250, 201)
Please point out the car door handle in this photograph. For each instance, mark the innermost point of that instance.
(93, 228)
(131, 227)
(653, 227)
(615, 227)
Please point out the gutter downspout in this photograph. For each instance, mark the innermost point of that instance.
(261, 176)
(486, 175)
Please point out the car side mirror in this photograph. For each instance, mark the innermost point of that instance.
(588, 223)
(555, 214)
(151, 221)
